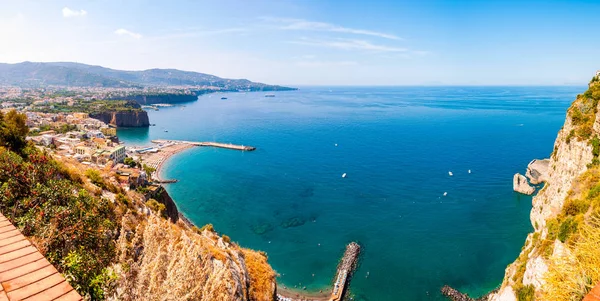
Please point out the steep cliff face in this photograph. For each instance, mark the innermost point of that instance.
(163, 197)
(570, 159)
(159, 260)
(124, 118)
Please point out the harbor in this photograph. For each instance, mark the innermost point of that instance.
(341, 282)
(155, 156)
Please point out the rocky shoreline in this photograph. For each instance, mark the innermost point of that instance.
(537, 173)
(455, 295)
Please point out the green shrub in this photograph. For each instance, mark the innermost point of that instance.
(575, 207)
(525, 293)
(594, 192)
(208, 227)
(157, 207)
(226, 239)
(567, 227)
(95, 178)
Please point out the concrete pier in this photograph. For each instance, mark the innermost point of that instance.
(344, 271)
(209, 144)
(341, 283)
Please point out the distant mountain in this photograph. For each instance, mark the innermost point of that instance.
(81, 75)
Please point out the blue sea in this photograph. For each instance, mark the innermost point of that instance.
(397, 146)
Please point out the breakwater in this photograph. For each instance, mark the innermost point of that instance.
(341, 283)
(344, 271)
(209, 144)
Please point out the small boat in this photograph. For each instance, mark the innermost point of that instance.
(450, 173)
(336, 144)
(469, 171)
(223, 97)
(270, 95)
(445, 193)
(166, 131)
(344, 175)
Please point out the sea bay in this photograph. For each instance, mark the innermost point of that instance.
(397, 146)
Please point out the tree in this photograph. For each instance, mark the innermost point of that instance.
(13, 130)
(129, 161)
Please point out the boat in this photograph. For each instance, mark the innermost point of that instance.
(469, 171)
(344, 175)
(223, 97)
(269, 95)
(445, 193)
(166, 131)
(450, 173)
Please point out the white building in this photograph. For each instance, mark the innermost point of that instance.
(117, 154)
(95, 134)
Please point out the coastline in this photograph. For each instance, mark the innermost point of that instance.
(158, 161)
(161, 158)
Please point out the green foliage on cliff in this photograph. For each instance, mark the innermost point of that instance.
(92, 107)
(37, 195)
(526, 293)
(13, 130)
(583, 112)
(72, 228)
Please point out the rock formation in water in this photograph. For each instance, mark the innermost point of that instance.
(123, 119)
(521, 185)
(537, 171)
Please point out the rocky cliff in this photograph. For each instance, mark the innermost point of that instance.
(137, 118)
(159, 260)
(574, 153)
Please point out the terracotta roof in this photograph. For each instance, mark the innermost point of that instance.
(24, 272)
(594, 295)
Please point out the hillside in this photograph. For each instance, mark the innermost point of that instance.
(121, 247)
(81, 75)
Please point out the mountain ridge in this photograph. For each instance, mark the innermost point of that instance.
(83, 75)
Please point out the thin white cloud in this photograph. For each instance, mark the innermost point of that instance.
(200, 33)
(348, 44)
(313, 63)
(68, 13)
(125, 32)
(301, 24)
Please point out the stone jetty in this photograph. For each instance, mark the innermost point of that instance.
(344, 271)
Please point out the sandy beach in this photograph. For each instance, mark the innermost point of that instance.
(287, 294)
(156, 160)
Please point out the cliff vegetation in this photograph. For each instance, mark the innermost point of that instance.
(118, 248)
(561, 259)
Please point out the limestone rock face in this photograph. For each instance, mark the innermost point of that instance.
(506, 294)
(568, 161)
(123, 119)
(534, 272)
(521, 185)
(537, 171)
(164, 261)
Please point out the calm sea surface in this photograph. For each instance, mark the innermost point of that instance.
(397, 145)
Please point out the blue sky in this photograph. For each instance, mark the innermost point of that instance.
(317, 42)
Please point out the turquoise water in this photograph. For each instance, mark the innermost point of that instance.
(397, 146)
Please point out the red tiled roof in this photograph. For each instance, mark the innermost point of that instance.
(24, 272)
(594, 295)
